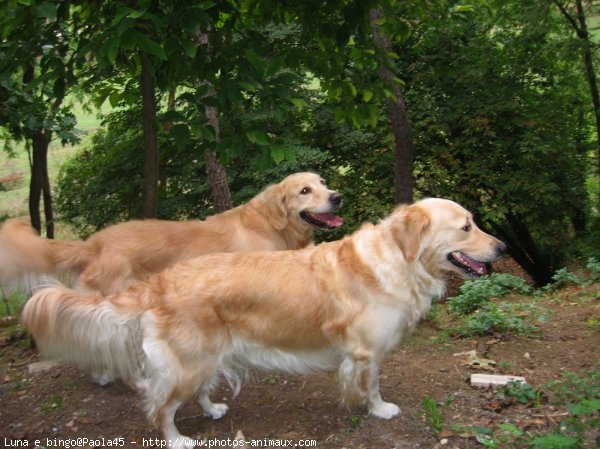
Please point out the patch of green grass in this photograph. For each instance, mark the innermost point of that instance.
(56, 402)
(434, 412)
(355, 421)
(271, 379)
(11, 305)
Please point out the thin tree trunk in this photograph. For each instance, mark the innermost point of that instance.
(217, 176)
(215, 171)
(151, 167)
(40, 183)
(580, 27)
(589, 70)
(401, 126)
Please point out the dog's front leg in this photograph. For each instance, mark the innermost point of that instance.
(359, 384)
(377, 406)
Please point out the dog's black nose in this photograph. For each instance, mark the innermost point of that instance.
(336, 198)
(500, 248)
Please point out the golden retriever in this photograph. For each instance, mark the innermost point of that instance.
(338, 306)
(279, 218)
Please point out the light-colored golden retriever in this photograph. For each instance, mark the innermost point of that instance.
(279, 218)
(338, 306)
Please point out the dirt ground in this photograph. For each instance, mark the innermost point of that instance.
(63, 403)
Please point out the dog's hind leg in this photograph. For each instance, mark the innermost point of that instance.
(359, 382)
(210, 409)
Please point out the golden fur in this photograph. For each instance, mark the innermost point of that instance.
(339, 306)
(122, 254)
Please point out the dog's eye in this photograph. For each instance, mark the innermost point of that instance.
(323, 181)
(466, 228)
(305, 191)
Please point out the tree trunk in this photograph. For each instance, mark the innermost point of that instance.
(580, 27)
(150, 192)
(217, 176)
(589, 70)
(401, 126)
(523, 249)
(40, 183)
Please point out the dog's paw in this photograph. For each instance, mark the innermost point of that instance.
(385, 410)
(216, 411)
(102, 377)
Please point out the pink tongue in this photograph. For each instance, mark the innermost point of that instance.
(333, 221)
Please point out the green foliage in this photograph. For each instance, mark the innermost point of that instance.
(581, 395)
(572, 388)
(593, 267)
(476, 293)
(102, 184)
(494, 318)
(37, 66)
(522, 392)
(501, 125)
(563, 277)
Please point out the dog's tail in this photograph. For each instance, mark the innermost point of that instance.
(86, 329)
(28, 261)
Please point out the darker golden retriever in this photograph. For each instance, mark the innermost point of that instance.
(281, 217)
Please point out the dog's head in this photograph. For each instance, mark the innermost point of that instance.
(305, 200)
(443, 236)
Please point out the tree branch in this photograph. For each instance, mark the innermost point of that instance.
(568, 16)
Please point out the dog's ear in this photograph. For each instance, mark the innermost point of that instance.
(274, 206)
(409, 225)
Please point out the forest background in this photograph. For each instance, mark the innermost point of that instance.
(203, 103)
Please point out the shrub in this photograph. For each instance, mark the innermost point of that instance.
(474, 294)
(494, 318)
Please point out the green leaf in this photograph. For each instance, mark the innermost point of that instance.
(113, 49)
(463, 8)
(114, 99)
(149, 46)
(136, 14)
(172, 116)
(190, 48)
(180, 134)
(276, 65)
(255, 61)
(129, 39)
(203, 6)
(554, 441)
(59, 87)
(300, 103)
(203, 131)
(367, 95)
(250, 87)
(121, 12)
(277, 154)
(47, 10)
(257, 136)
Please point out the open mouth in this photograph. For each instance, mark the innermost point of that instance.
(471, 267)
(325, 221)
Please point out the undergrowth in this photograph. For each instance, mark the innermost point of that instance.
(481, 309)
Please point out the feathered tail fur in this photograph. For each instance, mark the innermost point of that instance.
(28, 261)
(87, 330)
